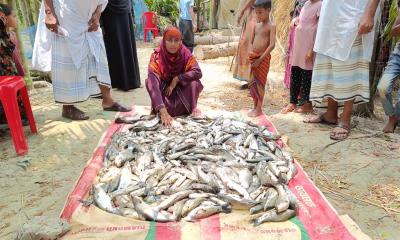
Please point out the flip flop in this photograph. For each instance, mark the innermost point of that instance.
(116, 107)
(244, 86)
(319, 119)
(334, 136)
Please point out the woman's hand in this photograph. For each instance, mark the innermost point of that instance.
(51, 21)
(294, 23)
(310, 56)
(94, 22)
(166, 119)
(172, 86)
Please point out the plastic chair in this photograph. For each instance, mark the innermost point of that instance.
(150, 24)
(9, 87)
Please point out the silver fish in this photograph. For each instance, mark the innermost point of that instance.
(103, 201)
(273, 216)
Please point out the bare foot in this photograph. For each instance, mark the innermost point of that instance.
(306, 108)
(394, 146)
(196, 113)
(289, 108)
(254, 113)
(73, 113)
(391, 125)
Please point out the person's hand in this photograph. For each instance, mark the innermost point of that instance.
(294, 23)
(51, 21)
(172, 86)
(166, 119)
(366, 24)
(94, 22)
(256, 63)
(194, 28)
(310, 56)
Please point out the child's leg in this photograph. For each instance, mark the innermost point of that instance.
(306, 76)
(295, 84)
(385, 90)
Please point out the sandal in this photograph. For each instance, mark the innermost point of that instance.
(340, 136)
(116, 107)
(74, 114)
(319, 119)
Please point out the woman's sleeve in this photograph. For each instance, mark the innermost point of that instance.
(154, 90)
(192, 72)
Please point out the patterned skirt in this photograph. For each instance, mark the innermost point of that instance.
(341, 80)
(72, 85)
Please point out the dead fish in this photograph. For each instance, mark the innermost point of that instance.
(172, 199)
(149, 213)
(190, 205)
(245, 177)
(257, 208)
(273, 216)
(204, 211)
(103, 201)
(272, 196)
(282, 203)
(204, 188)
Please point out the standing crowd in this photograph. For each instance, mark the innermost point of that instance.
(89, 47)
(330, 49)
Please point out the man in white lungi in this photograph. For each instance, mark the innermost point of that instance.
(344, 43)
(72, 48)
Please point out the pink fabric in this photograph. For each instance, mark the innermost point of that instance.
(16, 55)
(305, 34)
(288, 70)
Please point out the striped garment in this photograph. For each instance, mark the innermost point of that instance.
(258, 76)
(72, 85)
(341, 80)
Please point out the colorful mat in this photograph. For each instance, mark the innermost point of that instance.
(316, 218)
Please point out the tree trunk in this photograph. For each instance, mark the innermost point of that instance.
(214, 39)
(205, 40)
(203, 52)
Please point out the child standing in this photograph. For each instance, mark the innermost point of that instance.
(263, 42)
(387, 84)
(303, 56)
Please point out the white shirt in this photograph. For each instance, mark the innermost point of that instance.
(338, 29)
(73, 17)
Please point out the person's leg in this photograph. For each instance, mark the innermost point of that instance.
(306, 76)
(108, 102)
(295, 84)
(329, 117)
(385, 89)
(342, 130)
(73, 113)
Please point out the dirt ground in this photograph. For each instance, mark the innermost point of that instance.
(350, 173)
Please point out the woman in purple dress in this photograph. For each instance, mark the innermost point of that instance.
(173, 79)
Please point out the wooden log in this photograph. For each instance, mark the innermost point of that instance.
(203, 52)
(214, 39)
(205, 40)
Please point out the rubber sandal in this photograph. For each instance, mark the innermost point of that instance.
(116, 107)
(319, 119)
(334, 136)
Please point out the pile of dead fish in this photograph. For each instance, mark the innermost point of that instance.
(194, 169)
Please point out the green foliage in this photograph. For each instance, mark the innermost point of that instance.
(393, 12)
(167, 11)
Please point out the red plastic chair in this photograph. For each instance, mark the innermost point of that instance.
(9, 87)
(150, 23)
